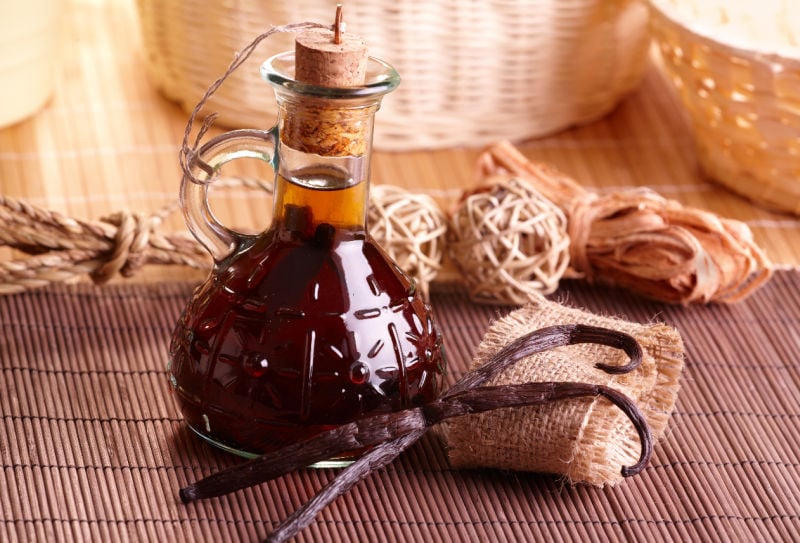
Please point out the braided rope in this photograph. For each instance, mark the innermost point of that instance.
(411, 227)
(63, 248)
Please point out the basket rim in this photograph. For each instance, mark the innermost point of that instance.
(725, 41)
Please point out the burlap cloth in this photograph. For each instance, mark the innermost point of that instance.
(588, 440)
(92, 447)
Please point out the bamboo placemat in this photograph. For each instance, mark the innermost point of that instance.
(108, 141)
(92, 447)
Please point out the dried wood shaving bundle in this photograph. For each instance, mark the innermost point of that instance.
(642, 241)
(584, 439)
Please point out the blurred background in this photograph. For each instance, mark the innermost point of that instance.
(96, 94)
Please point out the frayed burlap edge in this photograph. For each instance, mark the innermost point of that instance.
(586, 440)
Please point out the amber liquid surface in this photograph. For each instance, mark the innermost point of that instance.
(307, 326)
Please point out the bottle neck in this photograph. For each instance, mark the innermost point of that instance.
(323, 166)
(315, 196)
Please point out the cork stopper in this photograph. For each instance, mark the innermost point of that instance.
(319, 60)
(328, 58)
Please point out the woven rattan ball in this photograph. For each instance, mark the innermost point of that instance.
(411, 228)
(509, 242)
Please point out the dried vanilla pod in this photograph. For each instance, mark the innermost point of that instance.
(391, 433)
(643, 241)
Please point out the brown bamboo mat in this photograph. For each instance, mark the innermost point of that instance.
(93, 449)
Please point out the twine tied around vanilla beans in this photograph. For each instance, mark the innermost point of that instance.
(389, 434)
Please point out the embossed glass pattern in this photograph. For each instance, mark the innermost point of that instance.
(309, 324)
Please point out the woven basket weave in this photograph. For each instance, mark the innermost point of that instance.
(473, 72)
(736, 66)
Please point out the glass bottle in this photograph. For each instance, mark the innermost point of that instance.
(309, 324)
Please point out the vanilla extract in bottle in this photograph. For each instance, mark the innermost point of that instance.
(310, 324)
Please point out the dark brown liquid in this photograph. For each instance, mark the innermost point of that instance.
(309, 326)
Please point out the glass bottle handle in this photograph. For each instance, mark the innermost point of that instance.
(217, 238)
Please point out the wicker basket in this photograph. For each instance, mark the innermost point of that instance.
(736, 66)
(473, 72)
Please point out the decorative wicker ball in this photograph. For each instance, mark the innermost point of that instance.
(411, 228)
(509, 242)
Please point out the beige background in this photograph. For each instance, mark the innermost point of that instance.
(108, 141)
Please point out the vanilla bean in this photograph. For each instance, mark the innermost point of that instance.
(389, 434)
(360, 434)
(468, 402)
(380, 429)
(375, 459)
(548, 338)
